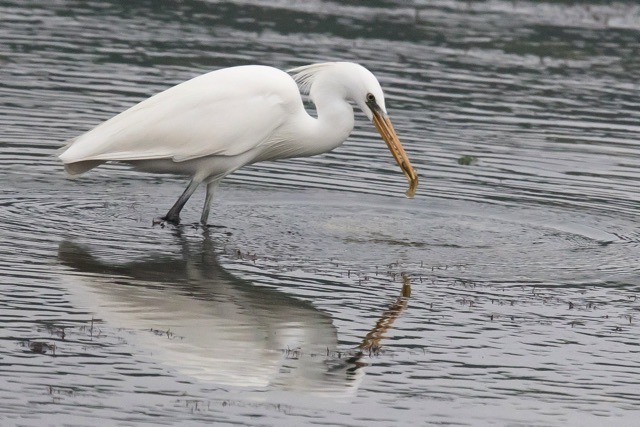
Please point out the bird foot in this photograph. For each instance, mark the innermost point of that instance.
(162, 221)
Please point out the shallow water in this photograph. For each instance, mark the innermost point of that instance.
(523, 266)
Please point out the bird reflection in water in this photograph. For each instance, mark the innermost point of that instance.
(196, 317)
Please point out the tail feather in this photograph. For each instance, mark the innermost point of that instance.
(77, 168)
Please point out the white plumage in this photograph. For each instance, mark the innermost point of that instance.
(213, 124)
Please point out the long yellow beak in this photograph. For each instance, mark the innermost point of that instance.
(384, 126)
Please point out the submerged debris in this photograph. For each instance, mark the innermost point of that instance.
(42, 347)
(467, 160)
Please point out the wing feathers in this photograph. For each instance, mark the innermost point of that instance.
(225, 112)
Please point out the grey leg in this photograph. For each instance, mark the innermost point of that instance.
(174, 213)
(211, 188)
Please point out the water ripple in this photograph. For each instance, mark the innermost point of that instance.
(521, 245)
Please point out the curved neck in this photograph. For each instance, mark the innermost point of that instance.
(332, 126)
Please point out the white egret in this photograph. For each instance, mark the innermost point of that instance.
(213, 124)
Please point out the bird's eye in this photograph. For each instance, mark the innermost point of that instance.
(370, 97)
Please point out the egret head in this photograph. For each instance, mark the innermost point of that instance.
(355, 83)
(364, 89)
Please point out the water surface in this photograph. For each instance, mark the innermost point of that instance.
(523, 265)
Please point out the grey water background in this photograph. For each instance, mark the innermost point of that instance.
(523, 264)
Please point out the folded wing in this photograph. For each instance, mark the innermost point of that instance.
(225, 112)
